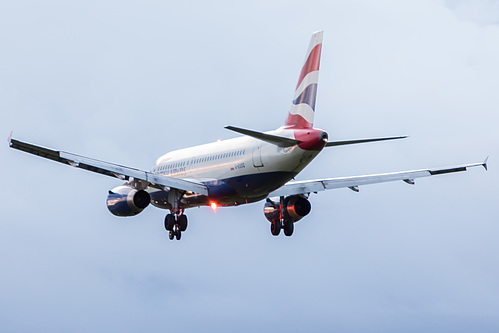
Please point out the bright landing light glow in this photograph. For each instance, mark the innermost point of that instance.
(213, 206)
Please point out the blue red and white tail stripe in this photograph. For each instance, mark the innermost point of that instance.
(301, 114)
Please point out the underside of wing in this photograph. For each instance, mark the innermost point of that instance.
(109, 169)
(309, 186)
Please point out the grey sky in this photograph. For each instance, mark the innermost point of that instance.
(483, 12)
(129, 81)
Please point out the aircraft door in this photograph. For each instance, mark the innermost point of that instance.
(257, 156)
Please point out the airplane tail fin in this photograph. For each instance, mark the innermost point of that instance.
(301, 114)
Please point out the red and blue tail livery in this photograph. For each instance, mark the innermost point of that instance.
(252, 167)
(301, 114)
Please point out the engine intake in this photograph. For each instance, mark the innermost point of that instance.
(297, 207)
(127, 201)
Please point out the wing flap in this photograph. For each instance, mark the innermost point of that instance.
(108, 169)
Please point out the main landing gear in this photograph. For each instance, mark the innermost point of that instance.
(281, 221)
(175, 224)
(287, 225)
(176, 221)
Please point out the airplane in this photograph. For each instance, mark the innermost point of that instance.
(253, 167)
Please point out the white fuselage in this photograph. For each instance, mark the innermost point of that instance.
(237, 170)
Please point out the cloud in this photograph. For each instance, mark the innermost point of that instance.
(129, 81)
(483, 12)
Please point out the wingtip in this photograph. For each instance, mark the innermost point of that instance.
(484, 164)
(9, 140)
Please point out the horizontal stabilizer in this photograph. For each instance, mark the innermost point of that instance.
(352, 142)
(273, 139)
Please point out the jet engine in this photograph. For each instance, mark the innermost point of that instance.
(295, 208)
(127, 201)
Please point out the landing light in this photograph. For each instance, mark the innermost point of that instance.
(214, 206)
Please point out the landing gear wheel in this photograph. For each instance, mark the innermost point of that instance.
(169, 222)
(171, 235)
(275, 228)
(182, 222)
(178, 234)
(289, 226)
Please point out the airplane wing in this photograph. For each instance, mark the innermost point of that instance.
(108, 169)
(308, 186)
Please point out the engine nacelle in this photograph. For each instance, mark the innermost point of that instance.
(295, 208)
(127, 201)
